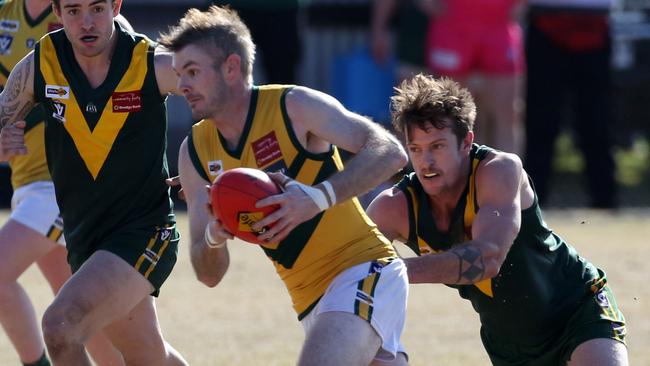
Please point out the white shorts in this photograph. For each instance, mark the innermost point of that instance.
(374, 292)
(34, 205)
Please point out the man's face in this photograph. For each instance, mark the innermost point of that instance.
(88, 24)
(437, 158)
(202, 85)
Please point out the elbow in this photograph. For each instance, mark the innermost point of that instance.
(210, 280)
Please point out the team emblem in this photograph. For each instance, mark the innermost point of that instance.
(30, 42)
(57, 92)
(215, 167)
(601, 299)
(59, 110)
(5, 44)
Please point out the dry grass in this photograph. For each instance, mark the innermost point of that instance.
(247, 319)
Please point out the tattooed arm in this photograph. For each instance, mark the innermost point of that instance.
(16, 100)
(499, 180)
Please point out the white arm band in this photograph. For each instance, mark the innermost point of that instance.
(323, 198)
(210, 241)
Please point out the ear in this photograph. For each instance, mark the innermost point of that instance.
(57, 11)
(117, 5)
(468, 141)
(231, 67)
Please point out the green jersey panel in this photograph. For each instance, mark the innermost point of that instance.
(105, 146)
(540, 284)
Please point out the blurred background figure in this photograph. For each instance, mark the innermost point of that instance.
(274, 27)
(409, 24)
(479, 44)
(568, 51)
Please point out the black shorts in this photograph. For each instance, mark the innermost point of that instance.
(152, 252)
(597, 317)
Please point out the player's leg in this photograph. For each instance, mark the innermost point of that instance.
(103, 290)
(359, 320)
(56, 270)
(139, 338)
(20, 246)
(599, 352)
(339, 338)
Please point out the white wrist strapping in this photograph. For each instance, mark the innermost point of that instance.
(324, 197)
(210, 241)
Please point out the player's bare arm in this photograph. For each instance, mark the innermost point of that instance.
(320, 119)
(209, 260)
(497, 223)
(389, 211)
(166, 77)
(17, 98)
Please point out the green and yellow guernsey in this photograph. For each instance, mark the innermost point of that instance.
(319, 249)
(540, 284)
(105, 146)
(18, 35)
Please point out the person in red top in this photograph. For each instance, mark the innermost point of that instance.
(479, 43)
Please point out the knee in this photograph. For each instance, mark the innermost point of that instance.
(63, 325)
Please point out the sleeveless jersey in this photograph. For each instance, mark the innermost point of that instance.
(318, 249)
(105, 146)
(18, 35)
(541, 282)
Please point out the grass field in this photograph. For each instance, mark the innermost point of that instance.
(247, 319)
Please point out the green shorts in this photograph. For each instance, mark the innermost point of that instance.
(597, 317)
(152, 252)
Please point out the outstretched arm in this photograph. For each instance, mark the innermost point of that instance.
(208, 251)
(17, 97)
(497, 223)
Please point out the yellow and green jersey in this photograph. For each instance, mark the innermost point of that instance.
(541, 282)
(106, 145)
(18, 35)
(319, 249)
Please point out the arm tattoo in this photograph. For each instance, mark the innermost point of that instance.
(470, 265)
(12, 108)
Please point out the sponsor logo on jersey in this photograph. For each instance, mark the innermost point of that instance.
(266, 150)
(362, 296)
(59, 110)
(91, 108)
(30, 42)
(57, 92)
(215, 167)
(125, 102)
(53, 26)
(8, 25)
(5, 44)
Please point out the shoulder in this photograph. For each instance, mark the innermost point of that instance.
(389, 210)
(301, 99)
(499, 177)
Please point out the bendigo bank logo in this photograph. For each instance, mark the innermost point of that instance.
(126, 102)
(246, 219)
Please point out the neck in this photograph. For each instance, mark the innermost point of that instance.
(36, 7)
(232, 118)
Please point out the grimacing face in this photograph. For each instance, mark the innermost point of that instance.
(88, 24)
(199, 81)
(437, 158)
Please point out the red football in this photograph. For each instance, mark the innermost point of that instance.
(233, 196)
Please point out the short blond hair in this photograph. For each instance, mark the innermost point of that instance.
(219, 29)
(442, 102)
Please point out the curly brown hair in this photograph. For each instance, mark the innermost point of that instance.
(219, 29)
(441, 102)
